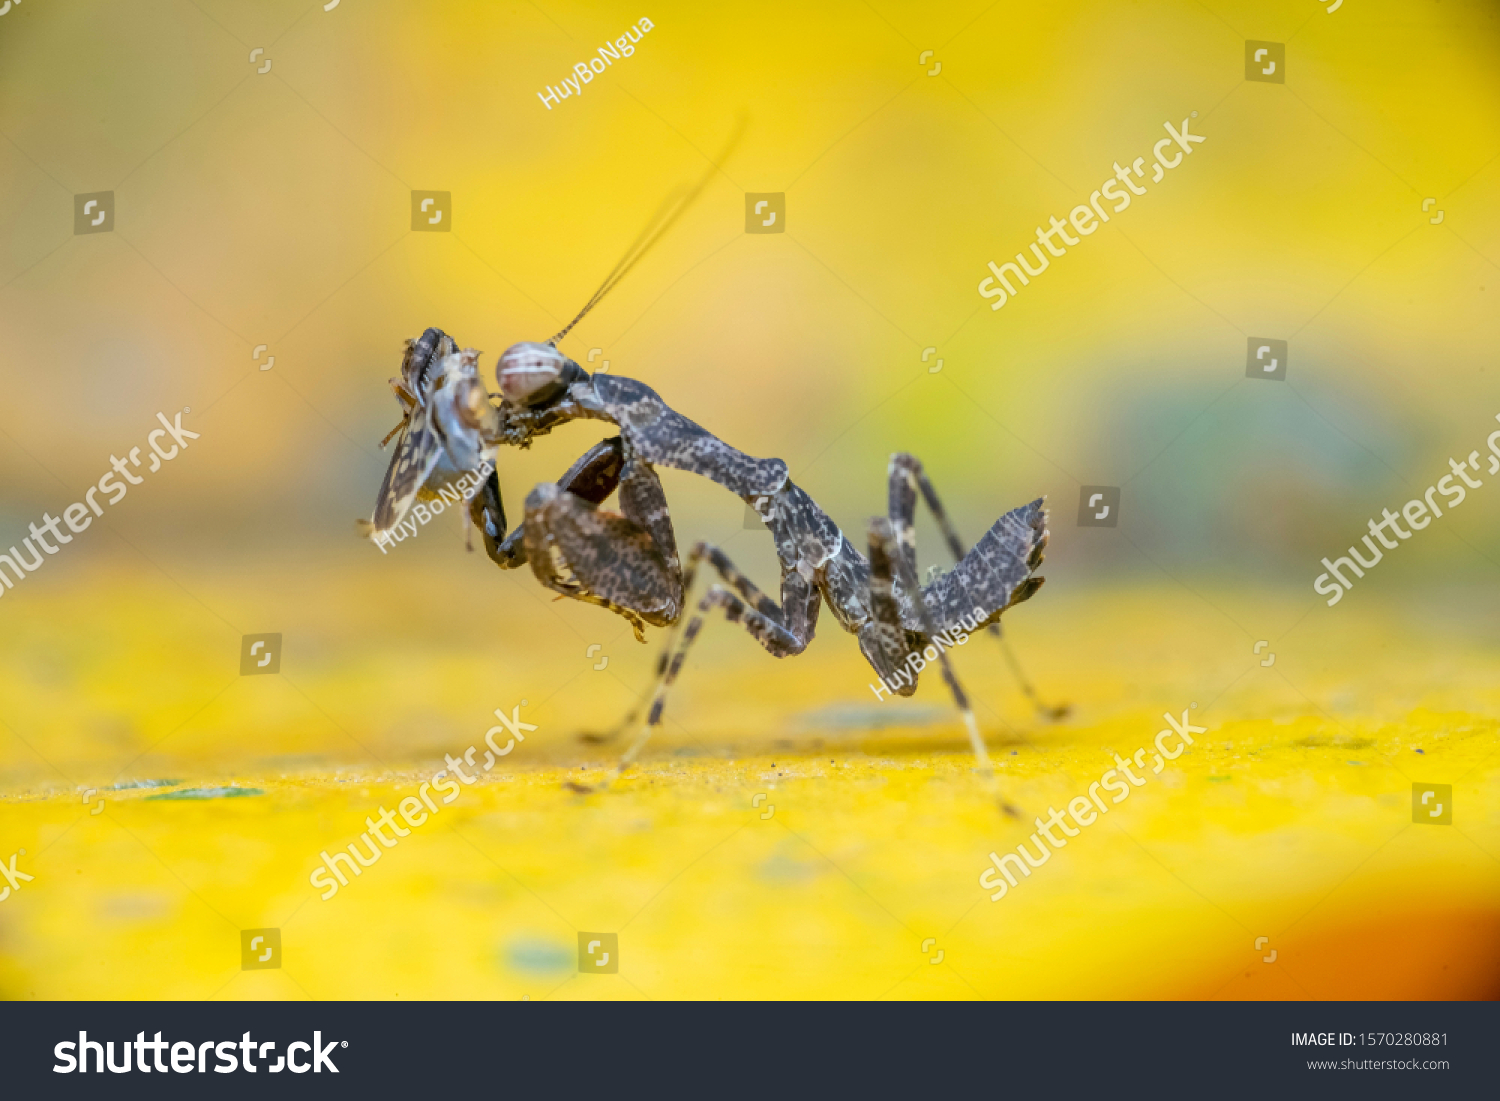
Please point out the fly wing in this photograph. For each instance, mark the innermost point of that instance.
(417, 454)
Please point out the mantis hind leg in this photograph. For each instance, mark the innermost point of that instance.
(783, 630)
(727, 571)
(887, 644)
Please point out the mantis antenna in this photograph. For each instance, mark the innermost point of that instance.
(656, 228)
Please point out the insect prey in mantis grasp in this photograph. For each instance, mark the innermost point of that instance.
(626, 559)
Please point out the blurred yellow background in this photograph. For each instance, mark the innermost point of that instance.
(274, 208)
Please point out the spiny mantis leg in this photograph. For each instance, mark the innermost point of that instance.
(633, 715)
(726, 570)
(593, 477)
(600, 557)
(783, 630)
(886, 552)
(778, 641)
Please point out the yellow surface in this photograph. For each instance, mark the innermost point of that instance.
(273, 209)
(1290, 819)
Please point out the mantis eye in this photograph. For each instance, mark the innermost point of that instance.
(530, 373)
